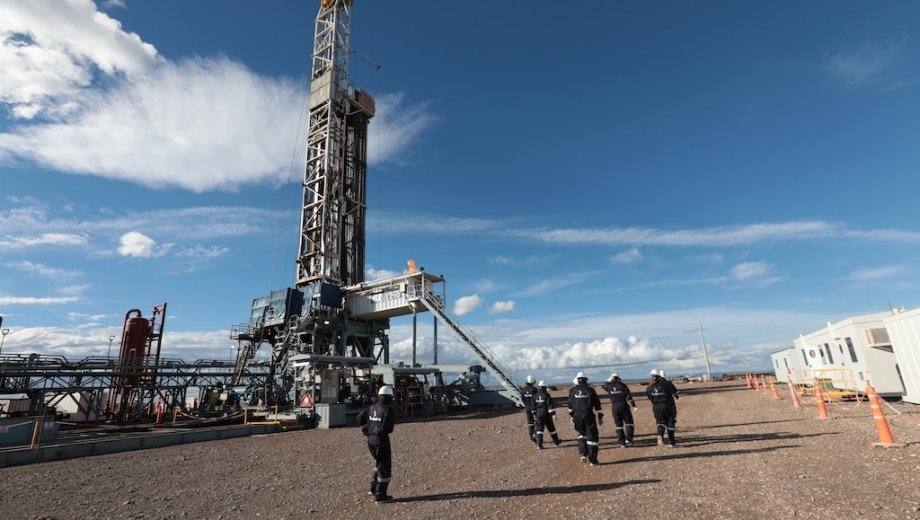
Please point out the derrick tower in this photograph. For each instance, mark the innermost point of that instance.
(332, 224)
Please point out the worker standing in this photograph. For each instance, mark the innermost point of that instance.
(377, 424)
(583, 405)
(663, 406)
(621, 400)
(527, 392)
(543, 412)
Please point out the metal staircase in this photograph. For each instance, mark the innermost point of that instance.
(489, 359)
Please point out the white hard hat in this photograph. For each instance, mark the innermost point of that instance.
(661, 373)
(581, 375)
(575, 381)
(612, 376)
(385, 390)
(541, 383)
(653, 372)
(529, 379)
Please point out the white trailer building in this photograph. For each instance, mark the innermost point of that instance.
(904, 330)
(788, 363)
(849, 353)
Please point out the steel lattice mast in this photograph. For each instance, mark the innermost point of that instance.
(332, 223)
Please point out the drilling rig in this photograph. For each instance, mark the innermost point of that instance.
(328, 335)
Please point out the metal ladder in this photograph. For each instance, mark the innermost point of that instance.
(489, 359)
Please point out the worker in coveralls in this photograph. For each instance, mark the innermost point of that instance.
(663, 406)
(377, 424)
(543, 412)
(621, 400)
(583, 405)
(673, 388)
(527, 392)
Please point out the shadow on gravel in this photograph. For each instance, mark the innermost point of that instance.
(526, 492)
(691, 440)
(466, 415)
(709, 427)
(698, 455)
(690, 390)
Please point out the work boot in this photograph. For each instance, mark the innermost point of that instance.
(383, 499)
(584, 459)
(661, 440)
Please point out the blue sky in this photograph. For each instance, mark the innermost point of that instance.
(591, 183)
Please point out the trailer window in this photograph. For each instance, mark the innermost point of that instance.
(830, 357)
(852, 350)
(786, 362)
(805, 356)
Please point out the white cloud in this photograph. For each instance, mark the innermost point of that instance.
(201, 252)
(712, 236)
(158, 123)
(630, 256)
(485, 285)
(49, 50)
(46, 239)
(749, 270)
(502, 306)
(35, 300)
(466, 304)
(551, 284)
(138, 245)
(371, 274)
(403, 222)
(395, 127)
(868, 64)
(878, 273)
(41, 270)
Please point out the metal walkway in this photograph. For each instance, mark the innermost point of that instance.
(488, 359)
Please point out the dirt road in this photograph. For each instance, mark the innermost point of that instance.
(741, 455)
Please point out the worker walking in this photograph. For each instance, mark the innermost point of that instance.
(674, 392)
(621, 400)
(377, 424)
(527, 392)
(583, 405)
(661, 395)
(543, 412)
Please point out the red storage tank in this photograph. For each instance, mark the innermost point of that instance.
(134, 341)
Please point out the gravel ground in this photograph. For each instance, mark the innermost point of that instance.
(741, 454)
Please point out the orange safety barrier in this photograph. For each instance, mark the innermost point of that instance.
(885, 437)
(819, 397)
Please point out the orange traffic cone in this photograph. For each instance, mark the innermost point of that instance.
(763, 384)
(819, 397)
(773, 387)
(747, 380)
(793, 394)
(886, 439)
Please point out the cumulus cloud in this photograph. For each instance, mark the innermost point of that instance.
(49, 50)
(630, 256)
(138, 245)
(396, 125)
(466, 304)
(156, 122)
(502, 306)
(371, 274)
